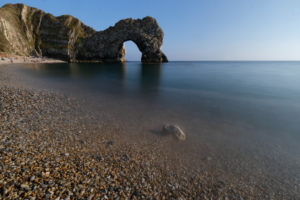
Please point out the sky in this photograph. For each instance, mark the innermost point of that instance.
(198, 29)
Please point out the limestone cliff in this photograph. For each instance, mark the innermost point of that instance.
(29, 31)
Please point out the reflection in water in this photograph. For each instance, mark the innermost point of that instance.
(115, 70)
(57, 69)
(109, 77)
(150, 78)
(82, 70)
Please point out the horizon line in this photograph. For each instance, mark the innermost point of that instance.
(225, 60)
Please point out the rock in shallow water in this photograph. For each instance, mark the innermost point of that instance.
(174, 130)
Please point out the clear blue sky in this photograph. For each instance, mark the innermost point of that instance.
(199, 29)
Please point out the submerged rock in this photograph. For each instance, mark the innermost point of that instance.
(28, 31)
(174, 130)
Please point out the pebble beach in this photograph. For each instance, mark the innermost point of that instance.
(52, 147)
(46, 153)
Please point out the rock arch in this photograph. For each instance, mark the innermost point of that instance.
(108, 45)
(29, 31)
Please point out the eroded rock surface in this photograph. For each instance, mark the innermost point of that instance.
(109, 44)
(29, 31)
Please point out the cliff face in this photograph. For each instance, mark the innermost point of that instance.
(25, 31)
(29, 31)
(16, 29)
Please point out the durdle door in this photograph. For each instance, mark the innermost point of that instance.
(29, 31)
(108, 44)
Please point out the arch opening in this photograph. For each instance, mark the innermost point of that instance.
(132, 51)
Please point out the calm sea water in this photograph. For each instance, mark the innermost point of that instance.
(263, 95)
(246, 114)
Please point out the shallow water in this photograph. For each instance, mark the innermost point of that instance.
(241, 118)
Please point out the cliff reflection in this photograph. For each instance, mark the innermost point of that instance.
(82, 70)
(57, 69)
(111, 70)
(118, 78)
